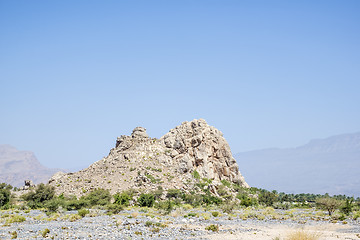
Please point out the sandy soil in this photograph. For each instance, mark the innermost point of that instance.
(249, 231)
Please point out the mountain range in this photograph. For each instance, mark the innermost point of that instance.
(330, 165)
(17, 166)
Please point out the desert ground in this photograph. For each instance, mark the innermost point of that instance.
(182, 223)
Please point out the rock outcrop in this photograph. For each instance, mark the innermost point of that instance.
(178, 160)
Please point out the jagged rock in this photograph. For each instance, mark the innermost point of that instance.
(28, 184)
(56, 176)
(140, 162)
(139, 132)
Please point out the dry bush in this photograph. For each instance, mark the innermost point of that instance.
(302, 235)
(134, 214)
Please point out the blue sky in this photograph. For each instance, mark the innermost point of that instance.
(74, 75)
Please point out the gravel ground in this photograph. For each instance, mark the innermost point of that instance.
(149, 224)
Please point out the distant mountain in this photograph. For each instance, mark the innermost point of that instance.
(330, 165)
(17, 166)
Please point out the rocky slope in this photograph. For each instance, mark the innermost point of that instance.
(184, 156)
(17, 166)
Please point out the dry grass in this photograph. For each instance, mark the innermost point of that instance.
(134, 214)
(302, 235)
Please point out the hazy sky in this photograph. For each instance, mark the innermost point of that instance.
(74, 75)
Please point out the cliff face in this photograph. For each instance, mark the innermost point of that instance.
(192, 151)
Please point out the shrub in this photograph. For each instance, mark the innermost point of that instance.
(283, 205)
(206, 216)
(191, 214)
(156, 225)
(245, 200)
(122, 198)
(194, 200)
(356, 215)
(75, 204)
(347, 207)
(83, 212)
(238, 188)
(187, 206)
(196, 174)
(37, 198)
(13, 235)
(114, 208)
(99, 196)
(215, 214)
(210, 199)
(173, 193)
(158, 193)
(212, 227)
(15, 219)
(146, 200)
(167, 206)
(5, 186)
(228, 207)
(149, 223)
(53, 204)
(4, 197)
(74, 217)
(222, 191)
(302, 235)
(226, 183)
(152, 178)
(45, 232)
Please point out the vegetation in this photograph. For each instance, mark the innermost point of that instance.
(114, 208)
(45, 232)
(196, 174)
(83, 212)
(172, 201)
(37, 198)
(13, 235)
(99, 197)
(122, 198)
(5, 194)
(267, 198)
(15, 219)
(166, 206)
(174, 193)
(302, 235)
(212, 227)
(146, 200)
(329, 204)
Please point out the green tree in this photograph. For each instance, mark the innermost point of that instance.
(4, 197)
(329, 204)
(267, 198)
(347, 206)
(37, 198)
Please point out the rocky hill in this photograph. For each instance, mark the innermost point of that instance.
(17, 166)
(330, 165)
(186, 155)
